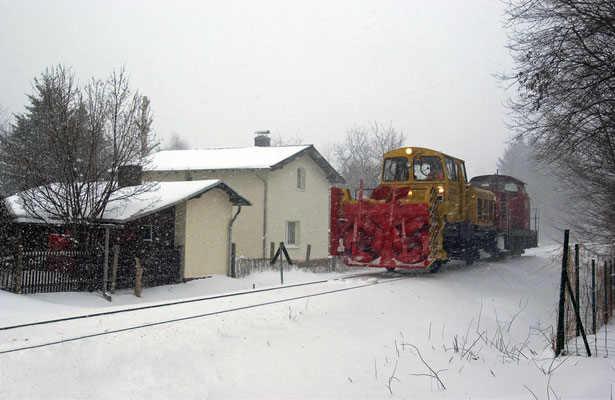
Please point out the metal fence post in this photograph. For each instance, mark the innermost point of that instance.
(606, 292)
(560, 337)
(576, 281)
(612, 287)
(594, 297)
(281, 265)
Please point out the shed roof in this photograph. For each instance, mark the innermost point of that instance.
(160, 196)
(237, 158)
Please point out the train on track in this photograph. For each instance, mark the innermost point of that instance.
(424, 213)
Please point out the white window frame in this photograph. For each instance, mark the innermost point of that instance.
(301, 178)
(296, 233)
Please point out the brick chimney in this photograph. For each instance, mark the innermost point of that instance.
(262, 139)
(129, 175)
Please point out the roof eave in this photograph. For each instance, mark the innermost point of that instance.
(332, 175)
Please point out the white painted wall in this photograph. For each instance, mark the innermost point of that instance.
(206, 234)
(310, 207)
(248, 228)
(285, 203)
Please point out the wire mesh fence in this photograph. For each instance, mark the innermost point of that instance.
(591, 286)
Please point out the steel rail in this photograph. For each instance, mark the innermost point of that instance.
(173, 303)
(191, 317)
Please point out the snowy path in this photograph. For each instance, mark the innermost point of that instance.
(484, 329)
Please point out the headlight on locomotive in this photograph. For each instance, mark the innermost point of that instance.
(440, 196)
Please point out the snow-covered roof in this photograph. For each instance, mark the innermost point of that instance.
(236, 158)
(231, 158)
(160, 195)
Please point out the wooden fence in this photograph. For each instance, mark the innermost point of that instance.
(66, 271)
(45, 272)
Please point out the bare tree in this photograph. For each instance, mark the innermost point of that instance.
(69, 149)
(359, 156)
(144, 124)
(177, 142)
(282, 140)
(4, 119)
(564, 53)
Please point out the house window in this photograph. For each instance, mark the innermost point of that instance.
(292, 233)
(300, 178)
(147, 233)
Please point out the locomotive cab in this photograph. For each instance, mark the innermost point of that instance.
(416, 172)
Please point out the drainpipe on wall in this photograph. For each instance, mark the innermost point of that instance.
(264, 211)
(230, 239)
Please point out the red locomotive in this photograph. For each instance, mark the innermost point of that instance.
(513, 215)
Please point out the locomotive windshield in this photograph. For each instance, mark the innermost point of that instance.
(428, 168)
(395, 169)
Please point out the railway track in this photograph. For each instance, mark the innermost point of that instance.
(39, 334)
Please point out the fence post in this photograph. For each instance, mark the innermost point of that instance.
(560, 337)
(233, 261)
(271, 250)
(105, 282)
(116, 256)
(576, 280)
(281, 264)
(606, 292)
(17, 278)
(577, 312)
(594, 297)
(612, 286)
(307, 253)
(138, 277)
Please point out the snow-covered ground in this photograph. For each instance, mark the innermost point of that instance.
(480, 331)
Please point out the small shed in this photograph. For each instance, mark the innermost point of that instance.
(191, 219)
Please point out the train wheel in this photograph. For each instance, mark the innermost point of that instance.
(390, 269)
(469, 254)
(435, 267)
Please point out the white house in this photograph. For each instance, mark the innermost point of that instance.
(288, 187)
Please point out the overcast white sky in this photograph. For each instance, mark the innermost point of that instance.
(216, 71)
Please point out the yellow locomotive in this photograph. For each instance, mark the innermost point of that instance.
(422, 214)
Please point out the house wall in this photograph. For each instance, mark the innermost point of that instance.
(248, 228)
(158, 256)
(284, 203)
(310, 207)
(206, 235)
